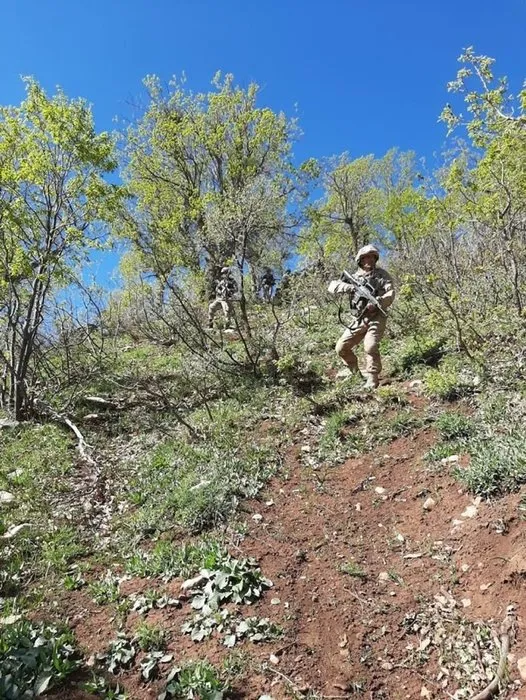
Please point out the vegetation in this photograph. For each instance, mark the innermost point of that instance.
(132, 435)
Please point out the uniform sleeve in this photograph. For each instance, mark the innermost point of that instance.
(388, 296)
(338, 287)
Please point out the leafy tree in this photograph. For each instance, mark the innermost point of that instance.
(53, 203)
(191, 160)
(366, 199)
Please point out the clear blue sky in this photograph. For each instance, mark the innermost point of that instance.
(364, 75)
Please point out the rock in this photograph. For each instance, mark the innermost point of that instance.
(257, 517)
(383, 576)
(387, 666)
(466, 602)
(6, 423)
(13, 530)
(273, 659)
(424, 692)
(521, 665)
(275, 601)
(470, 512)
(429, 504)
(380, 490)
(6, 497)
(484, 586)
(452, 459)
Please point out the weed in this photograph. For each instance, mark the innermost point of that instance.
(418, 351)
(100, 687)
(120, 655)
(168, 561)
(150, 637)
(105, 590)
(61, 547)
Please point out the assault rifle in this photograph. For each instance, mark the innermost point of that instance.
(363, 291)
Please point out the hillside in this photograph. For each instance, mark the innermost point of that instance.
(357, 544)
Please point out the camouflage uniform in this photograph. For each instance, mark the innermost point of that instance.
(226, 287)
(267, 284)
(370, 327)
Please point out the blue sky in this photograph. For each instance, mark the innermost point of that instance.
(362, 76)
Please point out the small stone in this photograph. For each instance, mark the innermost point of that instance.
(485, 586)
(424, 692)
(429, 504)
(452, 459)
(521, 665)
(275, 601)
(257, 517)
(466, 602)
(383, 576)
(380, 490)
(387, 666)
(358, 506)
(6, 497)
(470, 512)
(305, 448)
(273, 659)
(465, 568)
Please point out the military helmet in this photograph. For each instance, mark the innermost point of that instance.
(367, 250)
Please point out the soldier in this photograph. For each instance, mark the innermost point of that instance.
(370, 322)
(225, 288)
(267, 284)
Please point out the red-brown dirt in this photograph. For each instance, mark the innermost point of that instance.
(344, 633)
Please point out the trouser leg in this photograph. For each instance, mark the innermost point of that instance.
(371, 345)
(345, 344)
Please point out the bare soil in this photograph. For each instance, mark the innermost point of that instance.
(352, 551)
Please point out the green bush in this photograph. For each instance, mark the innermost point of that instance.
(451, 380)
(33, 658)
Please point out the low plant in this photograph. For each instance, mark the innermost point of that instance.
(106, 589)
(34, 657)
(497, 466)
(150, 637)
(198, 680)
(167, 560)
(351, 568)
(120, 655)
(453, 426)
(100, 687)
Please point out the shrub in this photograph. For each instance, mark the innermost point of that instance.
(198, 679)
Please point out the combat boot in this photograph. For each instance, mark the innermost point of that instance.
(372, 381)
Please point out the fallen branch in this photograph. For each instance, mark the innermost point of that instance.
(82, 445)
(506, 630)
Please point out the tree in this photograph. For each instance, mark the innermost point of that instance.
(190, 156)
(53, 204)
(366, 199)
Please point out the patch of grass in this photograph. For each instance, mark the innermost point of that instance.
(451, 380)
(198, 486)
(497, 465)
(418, 351)
(453, 426)
(442, 450)
(351, 568)
(61, 547)
(34, 657)
(167, 560)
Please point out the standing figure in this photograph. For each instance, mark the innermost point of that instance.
(370, 318)
(267, 284)
(225, 289)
